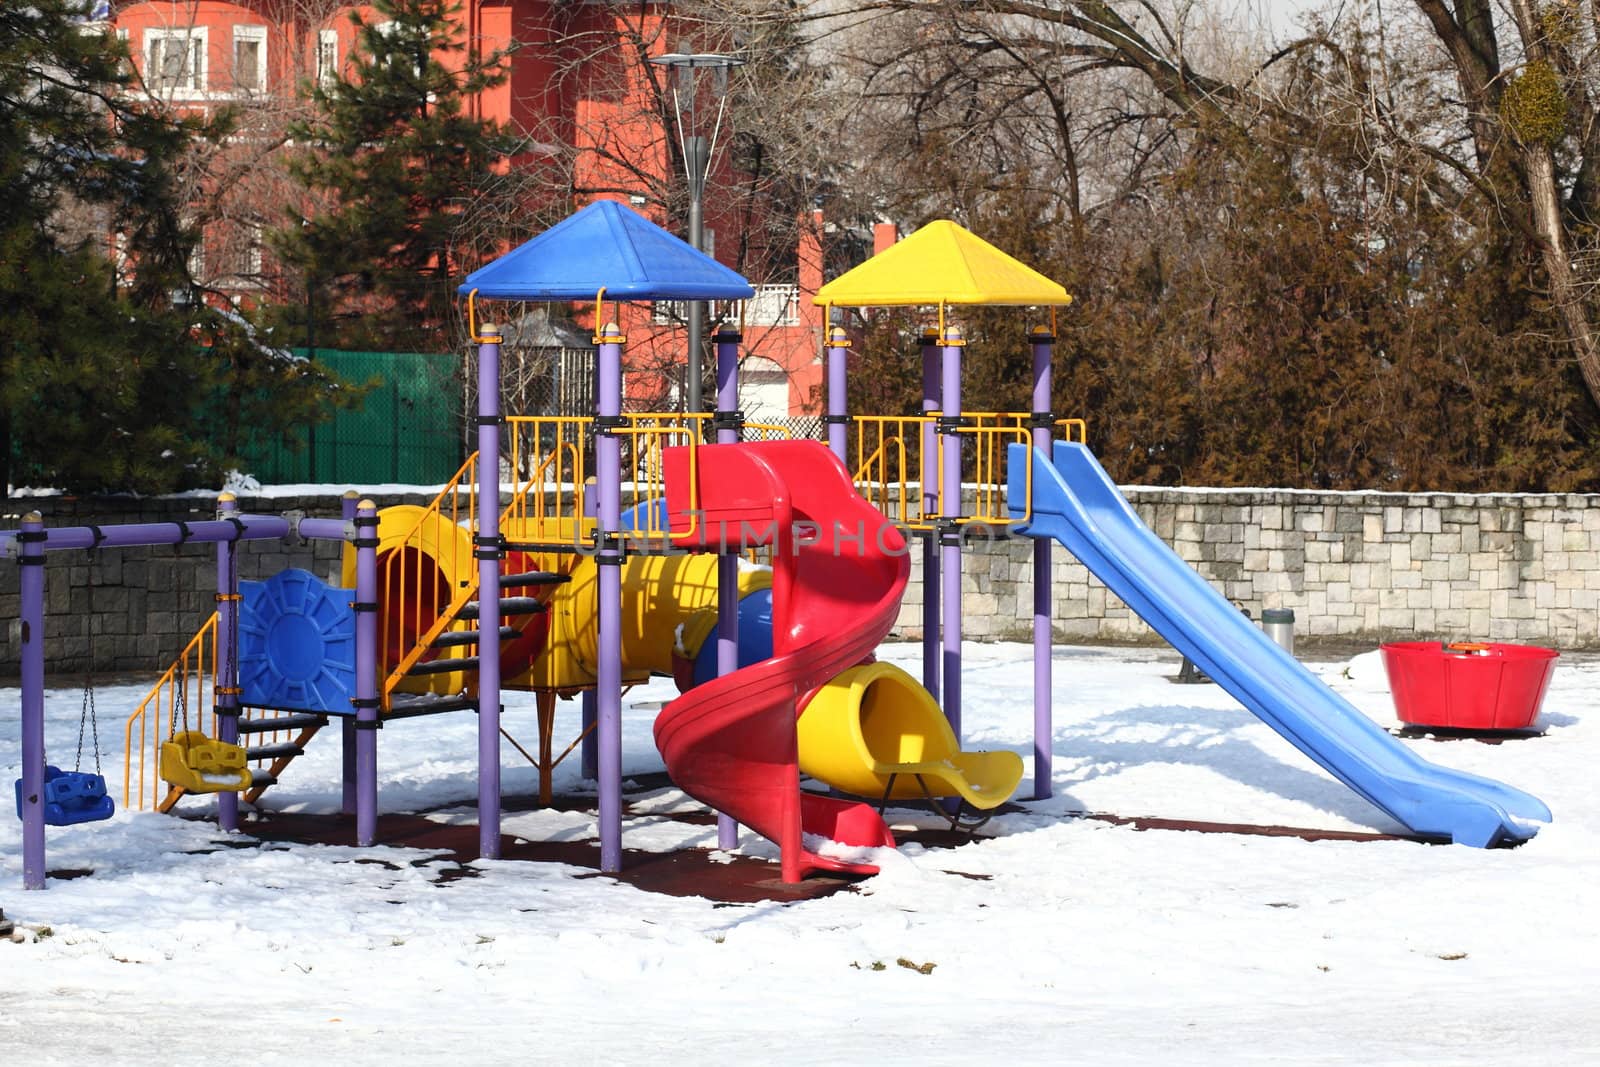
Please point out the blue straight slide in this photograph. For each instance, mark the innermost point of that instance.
(1075, 502)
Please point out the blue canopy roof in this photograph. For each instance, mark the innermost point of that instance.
(611, 247)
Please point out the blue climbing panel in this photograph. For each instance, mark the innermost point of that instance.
(72, 797)
(297, 644)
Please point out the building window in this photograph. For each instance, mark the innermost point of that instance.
(250, 58)
(244, 266)
(327, 57)
(763, 390)
(197, 259)
(774, 305)
(175, 60)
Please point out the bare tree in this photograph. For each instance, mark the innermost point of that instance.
(1045, 85)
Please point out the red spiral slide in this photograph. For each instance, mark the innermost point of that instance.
(839, 569)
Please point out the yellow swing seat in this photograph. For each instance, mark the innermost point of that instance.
(875, 732)
(197, 763)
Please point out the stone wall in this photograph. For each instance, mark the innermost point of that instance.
(1363, 566)
(138, 607)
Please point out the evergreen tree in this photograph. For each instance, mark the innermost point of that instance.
(399, 161)
(105, 375)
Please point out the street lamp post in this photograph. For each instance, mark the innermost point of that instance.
(698, 150)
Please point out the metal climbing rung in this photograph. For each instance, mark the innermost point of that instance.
(282, 722)
(511, 605)
(407, 706)
(454, 638)
(512, 581)
(445, 666)
(284, 748)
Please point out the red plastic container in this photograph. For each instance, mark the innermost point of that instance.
(1468, 685)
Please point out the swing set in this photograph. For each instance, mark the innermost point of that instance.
(191, 761)
(76, 796)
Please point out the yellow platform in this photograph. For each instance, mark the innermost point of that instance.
(875, 722)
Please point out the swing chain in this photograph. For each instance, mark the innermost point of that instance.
(87, 710)
(181, 677)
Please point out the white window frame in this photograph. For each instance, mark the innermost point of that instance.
(248, 257)
(196, 53)
(773, 305)
(197, 258)
(327, 47)
(258, 34)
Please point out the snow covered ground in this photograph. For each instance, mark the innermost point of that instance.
(1060, 940)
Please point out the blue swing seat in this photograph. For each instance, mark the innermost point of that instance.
(72, 797)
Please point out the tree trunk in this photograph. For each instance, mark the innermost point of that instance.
(1566, 290)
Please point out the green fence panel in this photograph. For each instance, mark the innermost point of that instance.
(407, 429)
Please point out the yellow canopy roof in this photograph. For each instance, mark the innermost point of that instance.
(941, 264)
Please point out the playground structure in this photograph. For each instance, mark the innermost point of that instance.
(773, 663)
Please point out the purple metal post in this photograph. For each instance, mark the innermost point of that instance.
(930, 505)
(347, 726)
(1043, 640)
(950, 534)
(838, 356)
(728, 423)
(31, 583)
(488, 553)
(608, 670)
(366, 698)
(226, 689)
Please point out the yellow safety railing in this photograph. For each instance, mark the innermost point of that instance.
(413, 616)
(180, 700)
(767, 431)
(991, 432)
(648, 433)
(893, 470)
(548, 454)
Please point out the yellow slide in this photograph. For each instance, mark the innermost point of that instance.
(874, 723)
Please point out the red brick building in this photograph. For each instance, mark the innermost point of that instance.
(578, 90)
